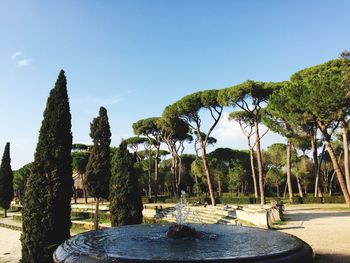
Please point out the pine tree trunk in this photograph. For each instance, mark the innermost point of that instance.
(219, 187)
(289, 171)
(330, 184)
(85, 195)
(285, 190)
(277, 190)
(315, 161)
(5, 212)
(260, 166)
(174, 180)
(96, 213)
(338, 171)
(156, 175)
(179, 167)
(84, 189)
(300, 188)
(319, 191)
(197, 186)
(206, 170)
(251, 153)
(346, 155)
(149, 178)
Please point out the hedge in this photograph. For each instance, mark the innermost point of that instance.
(230, 199)
(238, 200)
(318, 200)
(334, 199)
(85, 215)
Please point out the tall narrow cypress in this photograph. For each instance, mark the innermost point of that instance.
(125, 199)
(6, 179)
(98, 170)
(46, 206)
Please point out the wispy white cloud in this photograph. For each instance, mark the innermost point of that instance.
(20, 60)
(16, 55)
(229, 134)
(23, 63)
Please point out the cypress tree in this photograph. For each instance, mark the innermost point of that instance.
(98, 170)
(125, 199)
(46, 206)
(6, 179)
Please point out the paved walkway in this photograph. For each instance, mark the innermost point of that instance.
(327, 232)
(10, 245)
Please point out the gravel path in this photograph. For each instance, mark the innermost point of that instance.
(327, 232)
(10, 245)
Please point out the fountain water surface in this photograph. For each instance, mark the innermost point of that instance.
(183, 243)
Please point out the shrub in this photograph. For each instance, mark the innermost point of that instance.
(238, 200)
(334, 199)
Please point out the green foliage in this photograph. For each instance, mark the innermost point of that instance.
(302, 143)
(174, 129)
(227, 199)
(334, 199)
(189, 106)
(276, 155)
(80, 161)
(322, 94)
(135, 140)
(303, 170)
(275, 176)
(307, 200)
(237, 177)
(319, 200)
(257, 91)
(20, 178)
(46, 206)
(149, 128)
(98, 171)
(6, 179)
(125, 199)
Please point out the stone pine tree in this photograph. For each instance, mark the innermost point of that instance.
(98, 170)
(46, 206)
(189, 109)
(6, 179)
(125, 198)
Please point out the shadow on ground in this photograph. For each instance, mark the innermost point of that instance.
(295, 216)
(331, 258)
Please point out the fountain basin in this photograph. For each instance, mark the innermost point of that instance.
(217, 243)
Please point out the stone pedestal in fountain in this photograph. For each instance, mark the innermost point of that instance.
(215, 243)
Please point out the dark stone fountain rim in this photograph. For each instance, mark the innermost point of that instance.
(298, 251)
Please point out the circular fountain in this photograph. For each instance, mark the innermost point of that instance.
(215, 243)
(183, 243)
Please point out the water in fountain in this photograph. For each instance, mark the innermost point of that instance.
(180, 229)
(182, 210)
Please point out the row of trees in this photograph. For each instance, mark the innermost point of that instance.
(311, 107)
(48, 188)
(298, 109)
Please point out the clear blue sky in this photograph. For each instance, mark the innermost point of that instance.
(136, 57)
